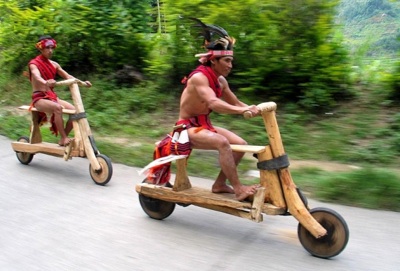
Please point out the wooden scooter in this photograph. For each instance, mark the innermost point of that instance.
(321, 231)
(82, 145)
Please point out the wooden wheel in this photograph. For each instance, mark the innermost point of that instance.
(102, 176)
(331, 244)
(156, 208)
(24, 157)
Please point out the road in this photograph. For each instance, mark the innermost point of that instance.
(53, 217)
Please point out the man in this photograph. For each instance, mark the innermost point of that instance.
(207, 90)
(42, 74)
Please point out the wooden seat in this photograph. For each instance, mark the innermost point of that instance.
(248, 148)
(65, 111)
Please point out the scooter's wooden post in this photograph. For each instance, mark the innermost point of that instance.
(270, 180)
(181, 179)
(83, 126)
(78, 139)
(256, 207)
(35, 136)
(295, 204)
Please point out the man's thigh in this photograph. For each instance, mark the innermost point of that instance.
(204, 139)
(45, 105)
(66, 104)
(231, 136)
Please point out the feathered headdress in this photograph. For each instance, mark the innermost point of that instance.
(220, 46)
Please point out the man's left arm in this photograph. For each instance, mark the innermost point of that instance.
(62, 73)
(227, 94)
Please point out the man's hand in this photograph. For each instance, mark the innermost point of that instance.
(253, 109)
(50, 83)
(88, 84)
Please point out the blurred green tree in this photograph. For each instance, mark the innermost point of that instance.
(93, 35)
(286, 50)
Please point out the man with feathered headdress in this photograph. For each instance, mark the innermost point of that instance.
(207, 90)
(42, 74)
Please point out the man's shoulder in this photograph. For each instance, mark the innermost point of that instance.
(33, 60)
(198, 75)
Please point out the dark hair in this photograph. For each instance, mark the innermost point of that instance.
(44, 37)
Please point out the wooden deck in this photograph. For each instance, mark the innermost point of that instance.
(205, 198)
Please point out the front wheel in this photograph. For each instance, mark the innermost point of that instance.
(24, 157)
(331, 244)
(102, 176)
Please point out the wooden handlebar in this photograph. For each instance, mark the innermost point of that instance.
(263, 107)
(71, 81)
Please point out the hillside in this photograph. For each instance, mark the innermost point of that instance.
(371, 27)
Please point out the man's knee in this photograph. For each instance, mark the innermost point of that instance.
(57, 109)
(224, 144)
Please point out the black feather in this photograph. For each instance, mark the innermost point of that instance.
(208, 30)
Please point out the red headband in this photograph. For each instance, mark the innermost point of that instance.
(211, 54)
(45, 43)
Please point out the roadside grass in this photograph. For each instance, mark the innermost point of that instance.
(126, 123)
(366, 187)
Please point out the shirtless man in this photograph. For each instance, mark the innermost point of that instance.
(207, 90)
(42, 73)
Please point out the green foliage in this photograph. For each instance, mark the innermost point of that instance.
(92, 36)
(393, 83)
(367, 187)
(270, 63)
(371, 26)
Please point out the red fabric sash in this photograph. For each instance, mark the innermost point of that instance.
(201, 122)
(46, 69)
(212, 78)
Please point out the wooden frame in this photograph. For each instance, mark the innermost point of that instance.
(278, 194)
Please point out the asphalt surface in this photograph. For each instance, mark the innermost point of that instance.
(54, 217)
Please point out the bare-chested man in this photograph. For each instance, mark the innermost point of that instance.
(42, 72)
(207, 90)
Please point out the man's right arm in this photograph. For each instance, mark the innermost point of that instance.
(38, 82)
(207, 95)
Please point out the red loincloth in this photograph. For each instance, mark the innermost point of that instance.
(162, 173)
(48, 95)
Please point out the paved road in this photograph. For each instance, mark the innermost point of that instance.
(53, 217)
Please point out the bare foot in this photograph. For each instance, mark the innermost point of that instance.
(64, 141)
(245, 191)
(222, 189)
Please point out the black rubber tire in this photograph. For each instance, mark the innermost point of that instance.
(102, 176)
(24, 157)
(156, 208)
(334, 242)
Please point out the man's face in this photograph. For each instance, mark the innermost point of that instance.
(47, 52)
(223, 65)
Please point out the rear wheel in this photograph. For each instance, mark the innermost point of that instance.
(156, 208)
(24, 157)
(331, 244)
